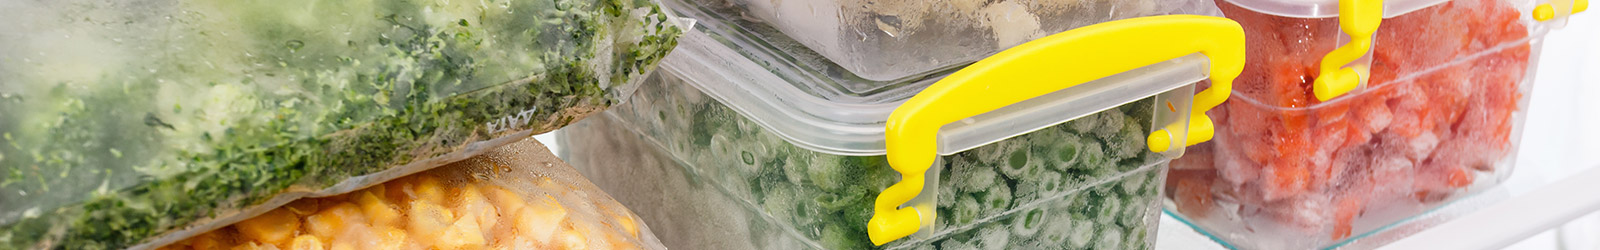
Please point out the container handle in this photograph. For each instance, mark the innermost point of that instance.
(1037, 68)
(1559, 9)
(1359, 19)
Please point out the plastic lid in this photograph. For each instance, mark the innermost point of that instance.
(1327, 8)
(812, 112)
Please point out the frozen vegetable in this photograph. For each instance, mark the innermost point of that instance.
(1437, 117)
(506, 199)
(827, 198)
(124, 121)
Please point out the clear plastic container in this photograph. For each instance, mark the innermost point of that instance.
(804, 171)
(125, 122)
(1439, 119)
(892, 41)
(688, 209)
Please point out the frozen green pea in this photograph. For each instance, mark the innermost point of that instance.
(1137, 239)
(840, 237)
(995, 199)
(1108, 210)
(1111, 122)
(1132, 184)
(1128, 142)
(1018, 165)
(831, 172)
(972, 177)
(796, 164)
(965, 211)
(1027, 191)
(851, 195)
(1050, 185)
(1110, 237)
(1134, 215)
(1027, 223)
(993, 237)
(779, 200)
(1083, 125)
(1056, 229)
(952, 244)
(1083, 233)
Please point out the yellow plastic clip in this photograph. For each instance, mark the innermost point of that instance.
(1359, 19)
(1033, 69)
(1552, 9)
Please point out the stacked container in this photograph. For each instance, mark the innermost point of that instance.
(1321, 146)
(764, 143)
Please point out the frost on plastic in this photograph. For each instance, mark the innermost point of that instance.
(519, 196)
(125, 120)
(992, 196)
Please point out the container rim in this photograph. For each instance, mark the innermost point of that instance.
(1535, 35)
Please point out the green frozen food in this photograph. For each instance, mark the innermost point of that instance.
(126, 121)
(1004, 195)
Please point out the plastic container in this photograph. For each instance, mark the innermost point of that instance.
(1445, 91)
(811, 171)
(689, 209)
(125, 122)
(900, 40)
(518, 196)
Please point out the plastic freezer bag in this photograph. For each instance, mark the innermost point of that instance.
(126, 120)
(519, 196)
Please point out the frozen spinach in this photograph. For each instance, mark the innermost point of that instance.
(192, 109)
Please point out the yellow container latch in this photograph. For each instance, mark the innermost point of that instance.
(1037, 68)
(1559, 8)
(1359, 19)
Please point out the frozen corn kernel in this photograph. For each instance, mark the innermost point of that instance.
(469, 200)
(571, 239)
(540, 219)
(275, 227)
(306, 242)
(627, 224)
(255, 246)
(508, 202)
(426, 220)
(342, 245)
(428, 188)
(389, 238)
(377, 211)
(303, 207)
(206, 241)
(463, 234)
(332, 220)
